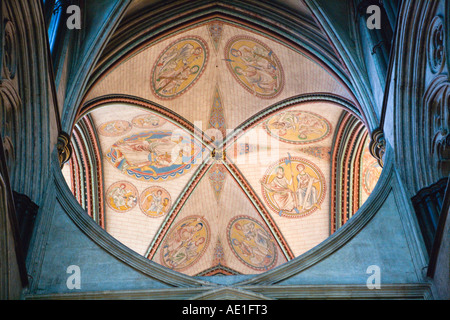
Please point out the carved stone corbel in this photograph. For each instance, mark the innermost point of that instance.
(377, 145)
(64, 148)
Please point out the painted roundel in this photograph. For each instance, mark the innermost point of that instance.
(122, 196)
(255, 66)
(185, 243)
(155, 202)
(114, 128)
(293, 187)
(148, 121)
(179, 66)
(252, 244)
(298, 127)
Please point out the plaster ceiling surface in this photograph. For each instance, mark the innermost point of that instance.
(257, 205)
(134, 74)
(134, 223)
(307, 143)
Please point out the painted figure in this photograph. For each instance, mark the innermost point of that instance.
(148, 121)
(298, 127)
(185, 243)
(306, 191)
(260, 70)
(283, 196)
(114, 128)
(179, 66)
(284, 122)
(155, 201)
(251, 243)
(293, 187)
(259, 243)
(121, 198)
(162, 152)
(255, 66)
(155, 155)
(309, 125)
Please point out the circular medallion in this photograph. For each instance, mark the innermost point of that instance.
(148, 121)
(255, 66)
(293, 187)
(114, 128)
(155, 202)
(298, 127)
(252, 244)
(122, 196)
(185, 243)
(179, 66)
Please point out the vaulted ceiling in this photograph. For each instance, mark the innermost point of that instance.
(215, 148)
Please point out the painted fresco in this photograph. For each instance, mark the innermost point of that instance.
(154, 155)
(179, 66)
(293, 187)
(255, 66)
(148, 121)
(298, 127)
(122, 196)
(155, 202)
(114, 128)
(251, 243)
(217, 176)
(217, 115)
(371, 175)
(219, 254)
(185, 243)
(215, 32)
(370, 170)
(323, 153)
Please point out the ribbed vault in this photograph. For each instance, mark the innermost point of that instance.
(219, 149)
